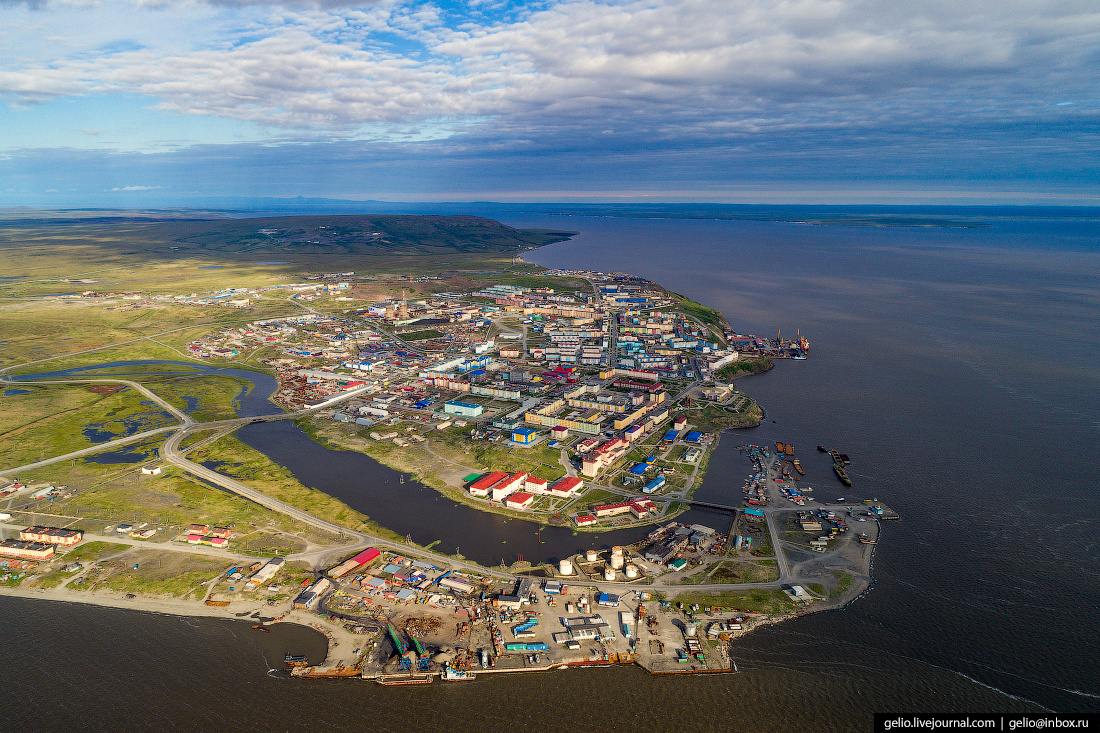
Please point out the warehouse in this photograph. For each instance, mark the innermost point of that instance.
(355, 563)
(457, 585)
(269, 570)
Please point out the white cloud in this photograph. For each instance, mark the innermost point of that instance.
(136, 188)
(697, 64)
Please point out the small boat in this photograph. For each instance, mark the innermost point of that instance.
(823, 449)
(798, 466)
(842, 474)
(261, 627)
(865, 540)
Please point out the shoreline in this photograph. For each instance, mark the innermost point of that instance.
(250, 611)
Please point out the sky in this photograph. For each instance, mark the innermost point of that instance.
(180, 102)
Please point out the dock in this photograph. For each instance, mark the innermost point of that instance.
(884, 512)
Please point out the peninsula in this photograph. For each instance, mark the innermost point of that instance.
(577, 399)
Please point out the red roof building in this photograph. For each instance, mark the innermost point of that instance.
(519, 500)
(482, 485)
(507, 486)
(536, 485)
(567, 486)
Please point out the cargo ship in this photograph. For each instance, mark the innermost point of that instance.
(404, 679)
(798, 467)
(842, 474)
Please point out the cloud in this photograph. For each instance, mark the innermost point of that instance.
(704, 90)
(682, 61)
(137, 188)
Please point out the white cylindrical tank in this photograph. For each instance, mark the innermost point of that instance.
(609, 573)
(617, 562)
(591, 556)
(632, 571)
(616, 550)
(690, 629)
(565, 567)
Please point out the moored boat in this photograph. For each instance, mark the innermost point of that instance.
(451, 674)
(842, 474)
(798, 466)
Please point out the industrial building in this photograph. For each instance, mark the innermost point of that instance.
(269, 570)
(356, 563)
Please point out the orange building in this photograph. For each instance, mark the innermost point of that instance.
(52, 535)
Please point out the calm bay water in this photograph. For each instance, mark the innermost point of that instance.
(956, 367)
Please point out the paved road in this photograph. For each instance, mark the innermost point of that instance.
(358, 540)
(188, 424)
(94, 449)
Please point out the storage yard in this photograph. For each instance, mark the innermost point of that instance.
(461, 637)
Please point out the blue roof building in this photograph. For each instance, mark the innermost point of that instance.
(524, 436)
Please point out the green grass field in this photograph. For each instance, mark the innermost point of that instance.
(759, 601)
(257, 470)
(50, 421)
